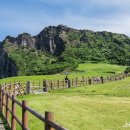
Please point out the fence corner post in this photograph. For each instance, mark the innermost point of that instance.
(48, 117)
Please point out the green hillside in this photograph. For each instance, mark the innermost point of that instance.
(97, 46)
(85, 69)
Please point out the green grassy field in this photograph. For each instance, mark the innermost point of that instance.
(96, 107)
(98, 69)
(86, 69)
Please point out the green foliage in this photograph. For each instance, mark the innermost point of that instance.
(127, 69)
(98, 46)
(73, 36)
(35, 62)
(28, 61)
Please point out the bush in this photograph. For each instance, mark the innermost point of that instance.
(127, 69)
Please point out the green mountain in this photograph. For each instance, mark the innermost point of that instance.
(56, 48)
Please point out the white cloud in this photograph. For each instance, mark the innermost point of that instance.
(34, 24)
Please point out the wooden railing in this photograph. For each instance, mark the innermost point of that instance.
(75, 82)
(6, 99)
(21, 88)
(8, 92)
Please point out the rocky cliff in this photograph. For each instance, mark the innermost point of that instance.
(25, 40)
(8, 67)
(50, 40)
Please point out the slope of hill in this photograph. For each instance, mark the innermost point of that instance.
(85, 69)
(58, 47)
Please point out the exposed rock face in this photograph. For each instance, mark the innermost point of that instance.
(24, 39)
(51, 39)
(7, 66)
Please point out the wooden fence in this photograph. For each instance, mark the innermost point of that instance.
(9, 91)
(21, 88)
(76, 82)
(10, 110)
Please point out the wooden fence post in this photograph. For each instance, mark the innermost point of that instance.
(24, 115)
(3, 101)
(89, 81)
(54, 84)
(5, 87)
(107, 79)
(51, 85)
(102, 80)
(83, 80)
(14, 89)
(7, 106)
(48, 117)
(76, 81)
(28, 87)
(58, 84)
(69, 83)
(45, 85)
(13, 121)
(39, 84)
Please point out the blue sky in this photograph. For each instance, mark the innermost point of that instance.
(18, 16)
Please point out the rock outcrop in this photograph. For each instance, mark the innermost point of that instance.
(50, 39)
(8, 67)
(24, 39)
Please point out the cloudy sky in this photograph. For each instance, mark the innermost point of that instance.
(18, 16)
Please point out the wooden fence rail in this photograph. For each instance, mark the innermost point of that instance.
(6, 99)
(21, 88)
(75, 82)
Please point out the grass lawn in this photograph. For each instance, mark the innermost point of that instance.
(99, 69)
(96, 107)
